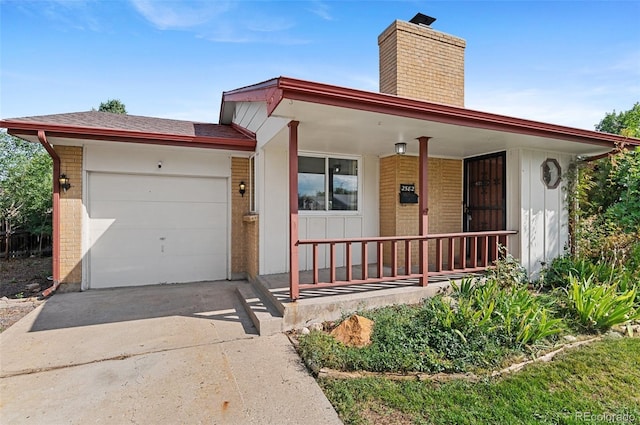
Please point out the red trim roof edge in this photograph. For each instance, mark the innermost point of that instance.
(94, 133)
(384, 103)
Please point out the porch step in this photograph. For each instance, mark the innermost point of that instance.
(267, 319)
(265, 289)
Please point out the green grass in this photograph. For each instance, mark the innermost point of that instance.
(601, 378)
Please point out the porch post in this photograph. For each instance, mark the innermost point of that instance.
(294, 268)
(423, 205)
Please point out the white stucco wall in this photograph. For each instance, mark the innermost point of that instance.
(539, 214)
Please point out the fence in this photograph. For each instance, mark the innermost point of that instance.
(24, 244)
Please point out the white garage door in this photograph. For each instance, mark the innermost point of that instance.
(156, 229)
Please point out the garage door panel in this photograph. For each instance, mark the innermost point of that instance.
(158, 230)
(150, 270)
(122, 187)
(161, 214)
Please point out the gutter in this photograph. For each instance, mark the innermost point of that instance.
(620, 146)
(56, 213)
(602, 155)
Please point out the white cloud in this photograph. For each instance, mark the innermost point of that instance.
(180, 15)
(321, 9)
(573, 107)
(270, 25)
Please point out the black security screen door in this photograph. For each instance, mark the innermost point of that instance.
(485, 193)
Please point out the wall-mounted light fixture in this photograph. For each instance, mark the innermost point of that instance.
(242, 189)
(401, 148)
(64, 182)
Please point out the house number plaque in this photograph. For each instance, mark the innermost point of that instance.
(408, 193)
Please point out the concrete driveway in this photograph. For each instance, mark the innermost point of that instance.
(171, 354)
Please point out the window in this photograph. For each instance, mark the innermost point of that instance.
(327, 184)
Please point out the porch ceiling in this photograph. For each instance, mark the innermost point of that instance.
(330, 128)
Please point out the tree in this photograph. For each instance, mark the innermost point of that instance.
(25, 186)
(608, 194)
(613, 188)
(114, 106)
(625, 123)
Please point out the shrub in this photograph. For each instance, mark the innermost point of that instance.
(513, 314)
(507, 270)
(600, 306)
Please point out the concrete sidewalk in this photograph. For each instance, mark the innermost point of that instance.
(168, 354)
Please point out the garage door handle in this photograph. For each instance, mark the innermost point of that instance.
(162, 238)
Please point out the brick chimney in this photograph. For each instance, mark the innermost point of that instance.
(419, 62)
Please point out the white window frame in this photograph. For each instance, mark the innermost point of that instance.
(326, 157)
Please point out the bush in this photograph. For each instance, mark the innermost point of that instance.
(513, 314)
(507, 270)
(625, 275)
(478, 326)
(600, 306)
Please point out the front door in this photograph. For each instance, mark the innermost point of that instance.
(485, 205)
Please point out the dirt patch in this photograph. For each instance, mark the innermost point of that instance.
(24, 277)
(22, 281)
(13, 310)
(380, 414)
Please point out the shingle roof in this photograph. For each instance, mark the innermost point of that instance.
(95, 125)
(108, 120)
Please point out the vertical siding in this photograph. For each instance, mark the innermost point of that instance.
(274, 211)
(274, 222)
(514, 212)
(339, 225)
(544, 230)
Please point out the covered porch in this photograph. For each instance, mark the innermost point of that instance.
(321, 237)
(454, 253)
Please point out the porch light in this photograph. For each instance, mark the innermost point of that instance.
(401, 148)
(242, 189)
(64, 182)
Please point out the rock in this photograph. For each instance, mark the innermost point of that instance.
(354, 331)
(451, 301)
(570, 338)
(612, 335)
(33, 287)
(316, 327)
(305, 331)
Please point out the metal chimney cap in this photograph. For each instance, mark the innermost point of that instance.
(421, 19)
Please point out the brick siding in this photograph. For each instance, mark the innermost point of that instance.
(421, 63)
(445, 200)
(71, 218)
(239, 208)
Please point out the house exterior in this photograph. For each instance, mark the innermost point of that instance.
(300, 175)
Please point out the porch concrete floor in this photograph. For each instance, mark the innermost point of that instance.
(328, 304)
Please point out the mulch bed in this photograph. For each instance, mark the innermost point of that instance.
(24, 277)
(22, 281)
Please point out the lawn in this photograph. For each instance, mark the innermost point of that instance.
(597, 383)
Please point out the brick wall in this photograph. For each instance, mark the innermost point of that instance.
(251, 245)
(421, 63)
(71, 219)
(239, 208)
(445, 200)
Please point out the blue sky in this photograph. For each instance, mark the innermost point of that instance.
(564, 62)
